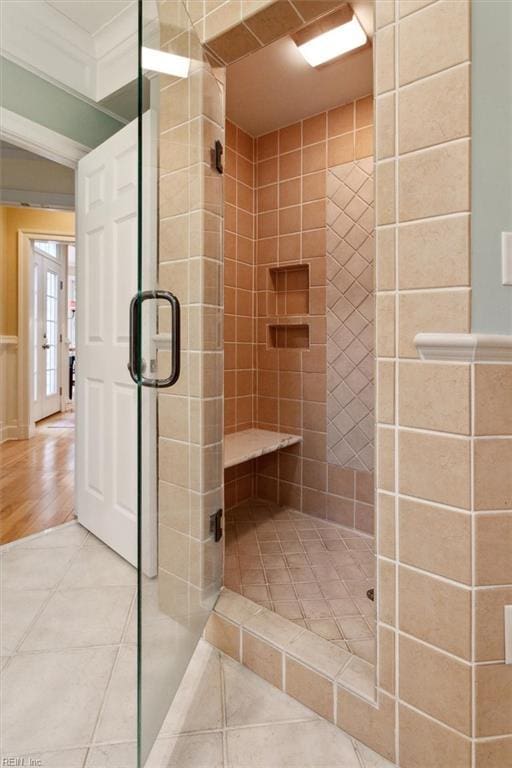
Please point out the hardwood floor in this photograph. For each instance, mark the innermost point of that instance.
(37, 479)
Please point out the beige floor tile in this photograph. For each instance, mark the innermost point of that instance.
(118, 721)
(295, 745)
(98, 566)
(325, 628)
(354, 628)
(198, 750)
(249, 700)
(112, 756)
(198, 704)
(364, 649)
(19, 610)
(66, 758)
(34, 568)
(74, 618)
(83, 674)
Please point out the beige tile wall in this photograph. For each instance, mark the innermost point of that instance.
(423, 409)
(443, 526)
(291, 386)
(492, 566)
(351, 315)
(190, 265)
(443, 697)
(239, 232)
(284, 389)
(239, 302)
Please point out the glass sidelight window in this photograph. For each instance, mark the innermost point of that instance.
(51, 330)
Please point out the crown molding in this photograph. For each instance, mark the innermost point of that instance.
(61, 49)
(464, 347)
(91, 66)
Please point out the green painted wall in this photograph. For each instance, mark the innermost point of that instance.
(36, 99)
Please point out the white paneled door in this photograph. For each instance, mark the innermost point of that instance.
(106, 396)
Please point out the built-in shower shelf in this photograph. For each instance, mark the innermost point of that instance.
(252, 443)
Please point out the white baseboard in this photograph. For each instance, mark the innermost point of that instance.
(10, 432)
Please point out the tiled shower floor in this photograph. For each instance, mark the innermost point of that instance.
(310, 571)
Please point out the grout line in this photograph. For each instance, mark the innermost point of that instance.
(396, 38)
(472, 385)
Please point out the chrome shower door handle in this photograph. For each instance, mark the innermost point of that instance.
(136, 370)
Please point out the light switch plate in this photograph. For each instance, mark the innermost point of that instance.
(508, 634)
(506, 258)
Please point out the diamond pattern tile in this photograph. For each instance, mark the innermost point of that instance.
(350, 315)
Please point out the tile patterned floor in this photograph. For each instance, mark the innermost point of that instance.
(68, 648)
(225, 716)
(310, 571)
(68, 682)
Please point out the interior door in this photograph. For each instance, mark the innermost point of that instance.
(47, 309)
(107, 273)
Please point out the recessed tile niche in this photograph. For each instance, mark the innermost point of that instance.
(288, 336)
(289, 290)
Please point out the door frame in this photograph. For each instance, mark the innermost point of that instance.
(33, 137)
(26, 423)
(27, 134)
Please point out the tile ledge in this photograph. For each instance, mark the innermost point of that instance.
(253, 443)
(465, 347)
(355, 675)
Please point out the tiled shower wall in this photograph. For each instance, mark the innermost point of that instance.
(275, 242)
(444, 501)
(350, 315)
(239, 229)
(239, 302)
(292, 169)
(190, 264)
(276, 245)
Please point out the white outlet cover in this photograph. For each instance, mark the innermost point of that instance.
(506, 258)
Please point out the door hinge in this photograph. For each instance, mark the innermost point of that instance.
(61, 284)
(60, 390)
(218, 152)
(216, 525)
(60, 337)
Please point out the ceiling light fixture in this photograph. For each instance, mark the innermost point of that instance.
(166, 63)
(319, 45)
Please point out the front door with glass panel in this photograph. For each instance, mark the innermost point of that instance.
(47, 311)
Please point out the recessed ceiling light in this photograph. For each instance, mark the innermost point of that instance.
(166, 63)
(334, 42)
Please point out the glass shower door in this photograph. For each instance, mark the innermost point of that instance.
(177, 357)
